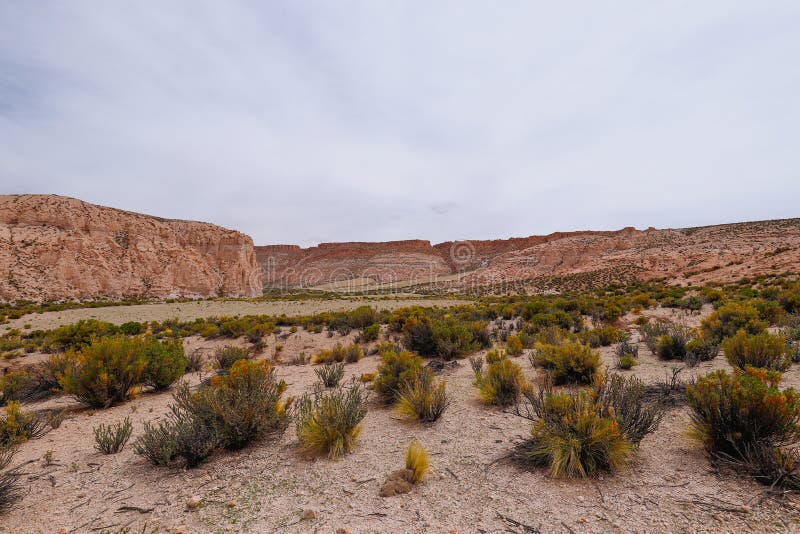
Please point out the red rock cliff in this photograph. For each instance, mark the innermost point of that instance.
(54, 247)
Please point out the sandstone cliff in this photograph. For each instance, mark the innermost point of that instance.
(556, 261)
(54, 247)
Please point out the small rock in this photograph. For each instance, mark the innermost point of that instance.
(182, 529)
(342, 531)
(309, 515)
(194, 502)
(232, 504)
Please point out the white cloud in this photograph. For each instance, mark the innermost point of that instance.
(315, 121)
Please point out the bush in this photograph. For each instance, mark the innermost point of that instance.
(417, 461)
(447, 338)
(242, 406)
(652, 332)
(732, 411)
(502, 383)
(25, 384)
(626, 355)
(730, 318)
(227, 356)
(18, 426)
(701, 349)
(111, 439)
(601, 337)
(131, 328)
(166, 363)
(422, 398)
(157, 443)
(513, 346)
(370, 333)
(350, 354)
(76, 335)
(624, 399)
(476, 362)
(763, 350)
(330, 374)
(10, 489)
(329, 422)
(627, 361)
(571, 436)
(395, 369)
(571, 362)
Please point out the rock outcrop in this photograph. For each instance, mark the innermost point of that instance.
(55, 248)
(561, 260)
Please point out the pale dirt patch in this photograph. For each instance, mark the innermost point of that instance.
(670, 486)
(188, 311)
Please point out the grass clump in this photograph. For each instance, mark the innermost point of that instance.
(111, 439)
(417, 461)
(570, 362)
(764, 350)
(395, 369)
(422, 398)
(584, 433)
(330, 374)
(502, 383)
(329, 422)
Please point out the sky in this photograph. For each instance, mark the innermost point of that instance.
(306, 122)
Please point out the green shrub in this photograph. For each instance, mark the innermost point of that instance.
(422, 398)
(370, 333)
(157, 443)
(730, 318)
(623, 398)
(395, 369)
(502, 382)
(104, 372)
(745, 408)
(627, 361)
(330, 374)
(15, 385)
(131, 328)
(350, 354)
(571, 362)
(76, 335)
(652, 332)
(601, 337)
(763, 350)
(329, 422)
(111, 439)
(513, 346)
(166, 363)
(227, 356)
(17, 426)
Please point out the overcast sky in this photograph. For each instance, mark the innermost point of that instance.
(302, 122)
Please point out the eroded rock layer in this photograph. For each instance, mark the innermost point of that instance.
(54, 247)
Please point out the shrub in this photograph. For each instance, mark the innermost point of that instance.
(701, 349)
(627, 361)
(571, 362)
(626, 355)
(571, 436)
(227, 356)
(624, 399)
(76, 335)
(370, 333)
(502, 383)
(330, 374)
(601, 337)
(157, 443)
(731, 411)
(350, 354)
(10, 489)
(417, 461)
(111, 439)
(242, 406)
(476, 362)
(104, 372)
(131, 328)
(730, 318)
(652, 332)
(18, 426)
(422, 398)
(513, 346)
(395, 369)
(166, 362)
(329, 422)
(763, 350)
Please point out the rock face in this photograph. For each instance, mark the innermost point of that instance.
(561, 260)
(54, 247)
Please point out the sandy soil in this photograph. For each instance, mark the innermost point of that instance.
(670, 487)
(188, 311)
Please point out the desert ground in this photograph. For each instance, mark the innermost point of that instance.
(472, 486)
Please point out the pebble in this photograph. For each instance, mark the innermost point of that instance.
(232, 504)
(194, 502)
(309, 515)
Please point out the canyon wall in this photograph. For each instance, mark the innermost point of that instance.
(55, 248)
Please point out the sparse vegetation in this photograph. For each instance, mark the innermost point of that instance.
(17, 425)
(111, 439)
(417, 461)
(422, 398)
(329, 422)
(395, 369)
(330, 374)
(350, 354)
(570, 362)
(764, 350)
(225, 357)
(502, 383)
